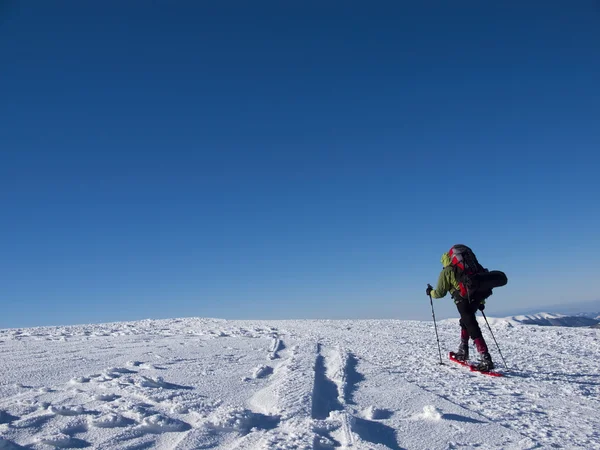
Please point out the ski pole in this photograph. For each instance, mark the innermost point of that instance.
(490, 328)
(435, 326)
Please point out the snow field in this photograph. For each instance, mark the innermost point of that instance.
(201, 383)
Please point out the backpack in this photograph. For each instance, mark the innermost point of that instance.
(465, 265)
(475, 282)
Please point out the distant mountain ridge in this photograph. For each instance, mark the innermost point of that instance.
(590, 309)
(558, 320)
(542, 319)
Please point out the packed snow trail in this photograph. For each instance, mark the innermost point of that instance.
(201, 383)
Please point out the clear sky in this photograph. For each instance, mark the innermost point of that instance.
(293, 159)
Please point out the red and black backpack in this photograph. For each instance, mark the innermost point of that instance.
(465, 265)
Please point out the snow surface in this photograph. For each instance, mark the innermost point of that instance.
(204, 383)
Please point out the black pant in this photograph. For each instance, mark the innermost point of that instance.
(468, 321)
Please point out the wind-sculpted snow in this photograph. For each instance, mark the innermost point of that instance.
(202, 383)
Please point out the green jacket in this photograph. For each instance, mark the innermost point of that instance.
(447, 281)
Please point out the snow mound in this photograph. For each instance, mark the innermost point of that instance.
(111, 420)
(161, 424)
(262, 372)
(105, 397)
(242, 420)
(373, 413)
(67, 410)
(80, 380)
(430, 412)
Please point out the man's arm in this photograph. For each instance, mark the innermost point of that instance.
(443, 286)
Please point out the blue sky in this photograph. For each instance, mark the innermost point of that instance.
(293, 160)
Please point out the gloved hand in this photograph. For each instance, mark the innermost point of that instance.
(429, 289)
(481, 306)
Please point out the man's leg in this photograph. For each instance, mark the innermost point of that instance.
(469, 320)
(463, 347)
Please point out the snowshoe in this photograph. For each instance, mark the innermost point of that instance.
(473, 367)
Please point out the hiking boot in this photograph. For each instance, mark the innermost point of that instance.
(462, 354)
(485, 363)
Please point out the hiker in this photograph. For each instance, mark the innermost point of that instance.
(469, 284)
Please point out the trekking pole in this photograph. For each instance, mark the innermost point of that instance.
(490, 328)
(435, 326)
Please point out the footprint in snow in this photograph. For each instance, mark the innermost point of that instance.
(78, 425)
(61, 440)
(134, 363)
(120, 370)
(5, 444)
(373, 413)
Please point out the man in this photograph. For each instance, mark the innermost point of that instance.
(467, 305)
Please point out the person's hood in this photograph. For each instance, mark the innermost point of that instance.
(445, 259)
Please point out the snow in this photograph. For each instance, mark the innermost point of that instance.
(553, 319)
(207, 383)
